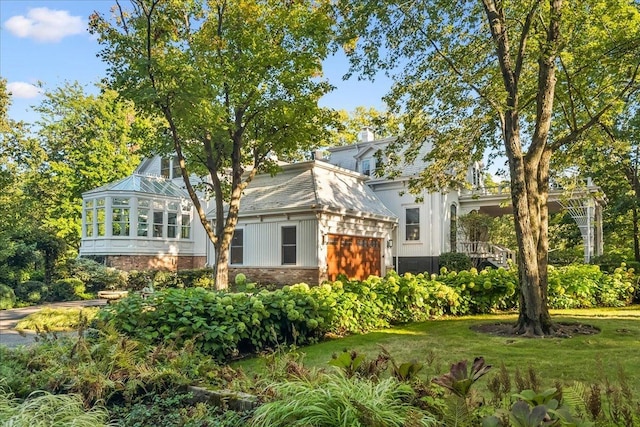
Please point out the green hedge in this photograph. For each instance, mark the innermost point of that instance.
(227, 324)
(7, 297)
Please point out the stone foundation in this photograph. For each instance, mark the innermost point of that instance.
(279, 276)
(155, 262)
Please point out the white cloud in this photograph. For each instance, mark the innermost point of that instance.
(45, 25)
(23, 90)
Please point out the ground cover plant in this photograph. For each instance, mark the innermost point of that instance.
(58, 319)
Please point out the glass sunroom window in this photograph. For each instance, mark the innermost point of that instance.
(88, 218)
(185, 232)
(158, 224)
(101, 217)
(120, 222)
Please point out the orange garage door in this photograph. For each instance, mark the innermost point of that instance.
(355, 257)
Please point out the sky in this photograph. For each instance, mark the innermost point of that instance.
(45, 43)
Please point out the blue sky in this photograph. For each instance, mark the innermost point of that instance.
(46, 42)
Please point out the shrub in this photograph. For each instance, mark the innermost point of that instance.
(196, 278)
(66, 290)
(455, 261)
(7, 297)
(96, 276)
(32, 291)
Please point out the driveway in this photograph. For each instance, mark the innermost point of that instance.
(9, 337)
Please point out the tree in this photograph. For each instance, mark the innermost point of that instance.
(381, 123)
(237, 84)
(81, 142)
(534, 75)
(613, 159)
(85, 141)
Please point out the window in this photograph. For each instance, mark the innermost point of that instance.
(172, 225)
(170, 167)
(120, 217)
(88, 219)
(185, 230)
(237, 246)
(100, 217)
(412, 224)
(365, 167)
(453, 231)
(165, 168)
(158, 224)
(143, 218)
(289, 245)
(175, 169)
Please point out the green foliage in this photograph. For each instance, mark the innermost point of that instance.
(455, 261)
(67, 290)
(32, 291)
(58, 319)
(336, 400)
(7, 297)
(42, 409)
(484, 291)
(579, 286)
(95, 276)
(174, 409)
(103, 366)
(228, 324)
(249, 72)
(348, 361)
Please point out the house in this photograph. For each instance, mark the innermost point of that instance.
(308, 223)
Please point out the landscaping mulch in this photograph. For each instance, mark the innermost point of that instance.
(562, 330)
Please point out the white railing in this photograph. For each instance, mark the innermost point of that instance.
(494, 253)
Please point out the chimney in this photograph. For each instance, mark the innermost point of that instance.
(366, 134)
(318, 155)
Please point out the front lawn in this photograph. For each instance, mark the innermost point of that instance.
(439, 343)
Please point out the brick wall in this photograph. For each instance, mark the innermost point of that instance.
(279, 276)
(154, 262)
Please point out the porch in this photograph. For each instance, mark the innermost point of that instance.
(583, 200)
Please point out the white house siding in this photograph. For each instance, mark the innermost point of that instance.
(422, 254)
(263, 242)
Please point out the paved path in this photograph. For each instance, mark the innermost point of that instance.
(9, 318)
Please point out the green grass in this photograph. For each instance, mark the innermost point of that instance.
(57, 319)
(439, 343)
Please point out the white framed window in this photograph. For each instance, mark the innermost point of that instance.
(365, 167)
(185, 227)
(158, 224)
(412, 224)
(101, 217)
(120, 221)
(143, 217)
(88, 218)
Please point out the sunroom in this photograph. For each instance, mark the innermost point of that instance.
(139, 222)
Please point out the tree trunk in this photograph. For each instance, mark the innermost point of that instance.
(636, 237)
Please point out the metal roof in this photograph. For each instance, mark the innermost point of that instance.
(143, 184)
(312, 186)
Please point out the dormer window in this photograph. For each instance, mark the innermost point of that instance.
(170, 167)
(365, 167)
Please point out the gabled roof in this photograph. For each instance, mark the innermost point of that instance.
(142, 184)
(312, 186)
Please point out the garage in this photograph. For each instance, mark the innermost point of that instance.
(356, 257)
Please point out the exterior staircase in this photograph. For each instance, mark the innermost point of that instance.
(480, 252)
